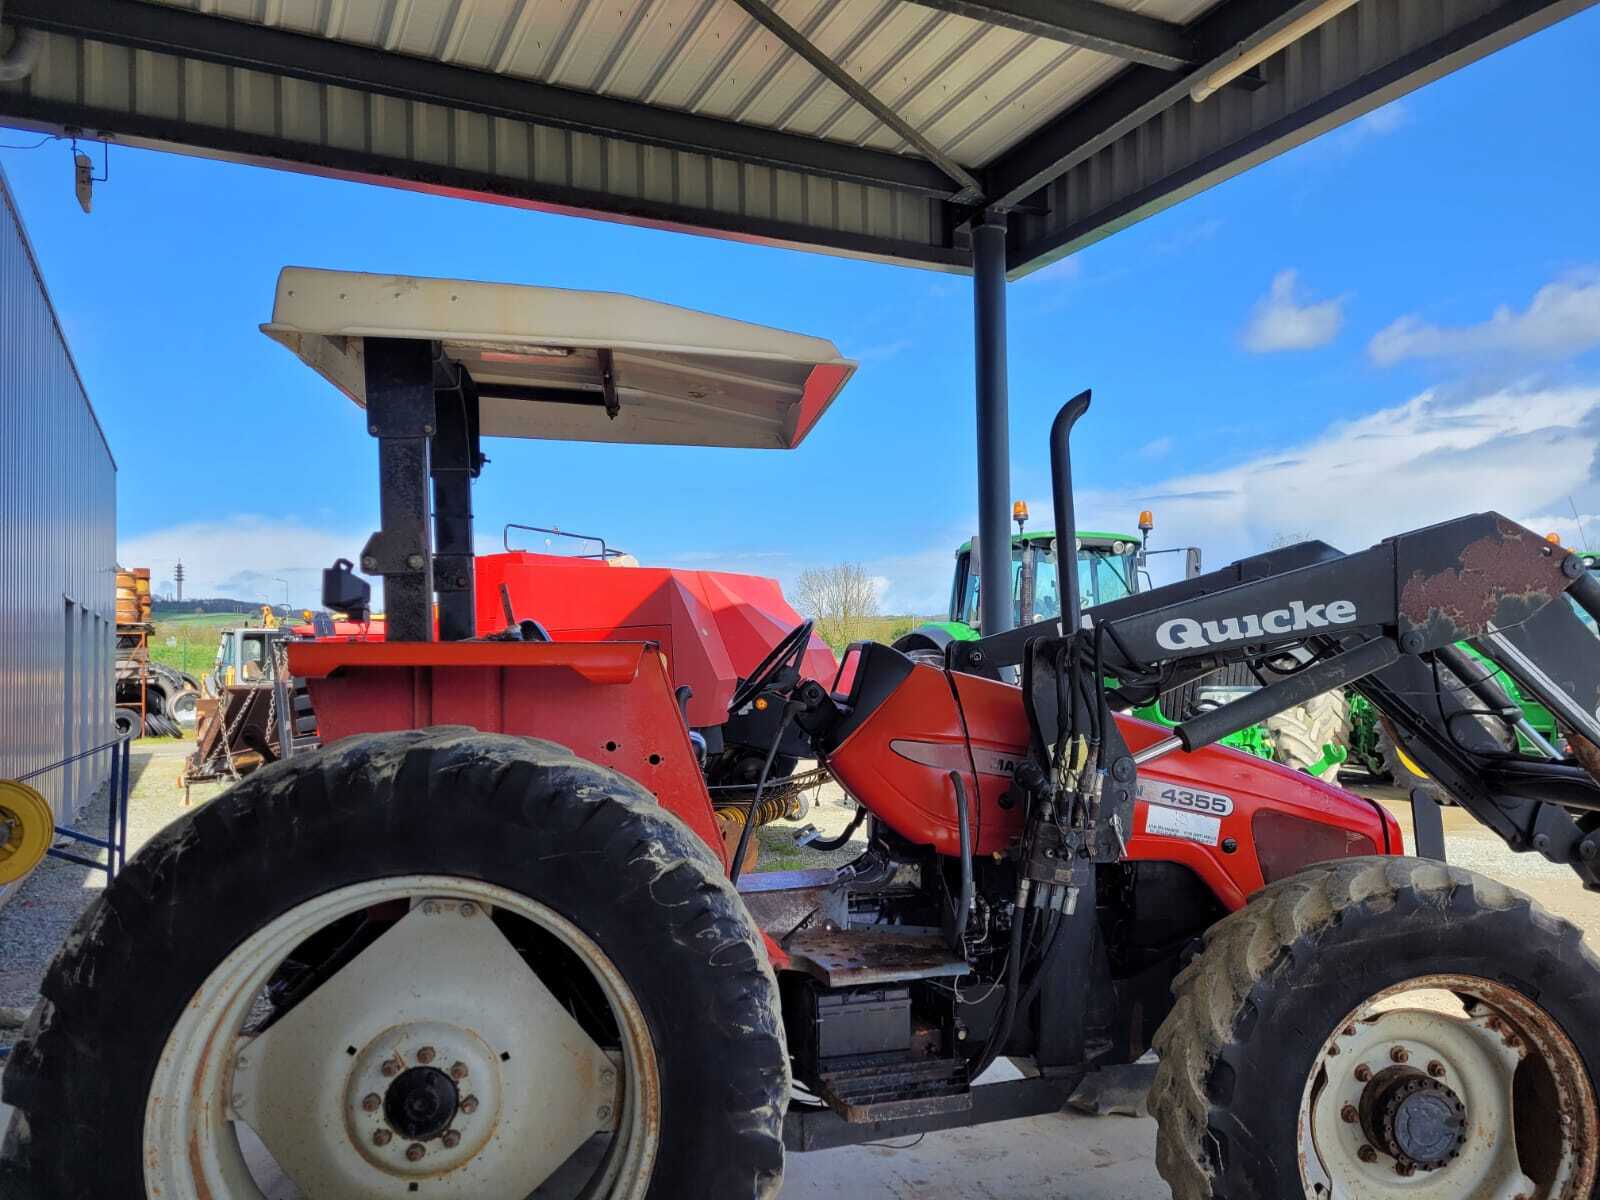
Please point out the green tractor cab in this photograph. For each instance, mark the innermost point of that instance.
(1110, 566)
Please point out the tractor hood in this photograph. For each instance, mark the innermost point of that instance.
(572, 366)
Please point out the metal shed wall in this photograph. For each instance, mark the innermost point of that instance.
(57, 542)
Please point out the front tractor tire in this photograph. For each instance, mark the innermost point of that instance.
(432, 961)
(1382, 1027)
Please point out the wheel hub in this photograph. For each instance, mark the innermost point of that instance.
(421, 1103)
(1418, 1094)
(1419, 1122)
(423, 1098)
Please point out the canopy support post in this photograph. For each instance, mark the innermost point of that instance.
(994, 433)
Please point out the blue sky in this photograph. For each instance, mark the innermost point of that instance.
(1388, 326)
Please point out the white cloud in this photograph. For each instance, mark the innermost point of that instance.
(244, 557)
(1386, 120)
(1562, 319)
(1190, 236)
(1521, 452)
(1526, 453)
(1380, 122)
(882, 350)
(1063, 270)
(1285, 320)
(1155, 448)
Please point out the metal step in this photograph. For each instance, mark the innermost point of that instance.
(859, 958)
(892, 1091)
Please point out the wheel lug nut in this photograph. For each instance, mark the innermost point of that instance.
(1399, 1054)
(1436, 1069)
(1363, 1073)
(1367, 1154)
(469, 909)
(458, 1071)
(425, 1055)
(1349, 1115)
(370, 1102)
(381, 1137)
(603, 1113)
(391, 1068)
(1349, 1031)
(415, 1151)
(608, 1076)
(1404, 1169)
(469, 1105)
(451, 1139)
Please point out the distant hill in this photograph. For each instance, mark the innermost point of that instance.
(209, 604)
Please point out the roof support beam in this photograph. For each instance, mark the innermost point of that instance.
(153, 132)
(1135, 96)
(1087, 23)
(970, 193)
(192, 35)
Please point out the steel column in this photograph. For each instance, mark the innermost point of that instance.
(400, 414)
(455, 464)
(994, 433)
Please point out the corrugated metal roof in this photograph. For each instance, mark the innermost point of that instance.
(975, 89)
(697, 115)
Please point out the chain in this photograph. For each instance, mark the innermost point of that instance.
(222, 750)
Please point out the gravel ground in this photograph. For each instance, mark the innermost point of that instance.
(37, 918)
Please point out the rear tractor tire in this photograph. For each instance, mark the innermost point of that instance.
(1382, 1027)
(1300, 733)
(435, 961)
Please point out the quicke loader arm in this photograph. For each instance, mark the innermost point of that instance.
(1385, 621)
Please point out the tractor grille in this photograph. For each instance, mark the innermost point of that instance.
(1178, 704)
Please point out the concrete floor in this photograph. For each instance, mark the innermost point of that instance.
(1064, 1156)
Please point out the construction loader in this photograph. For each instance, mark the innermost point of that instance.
(487, 941)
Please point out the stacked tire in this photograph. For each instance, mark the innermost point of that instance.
(1299, 734)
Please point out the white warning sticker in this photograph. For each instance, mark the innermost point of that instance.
(1177, 823)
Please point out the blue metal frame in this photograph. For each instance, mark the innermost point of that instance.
(115, 843)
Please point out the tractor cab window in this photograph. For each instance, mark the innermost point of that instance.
(253, 652)
(1046, 588)
(1104, 576)
(971, 609)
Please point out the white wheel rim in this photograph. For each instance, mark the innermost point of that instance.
(441, 995)
(1422, 1036)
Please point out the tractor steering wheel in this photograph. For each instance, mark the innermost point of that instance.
(792, 646)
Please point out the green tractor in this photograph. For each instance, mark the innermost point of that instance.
(1110, 566)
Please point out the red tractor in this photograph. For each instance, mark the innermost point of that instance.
(487, 941)
(714, 627)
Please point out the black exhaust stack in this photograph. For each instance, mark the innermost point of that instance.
(1066, 517)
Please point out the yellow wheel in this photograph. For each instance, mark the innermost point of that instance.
(27, 828)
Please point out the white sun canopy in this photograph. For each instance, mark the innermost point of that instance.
(539, 357)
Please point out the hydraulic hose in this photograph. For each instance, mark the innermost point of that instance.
(964, 910)
(833, 843)
(1002, 1031)
(737, 865)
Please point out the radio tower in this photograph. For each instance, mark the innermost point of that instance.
(177, 577)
